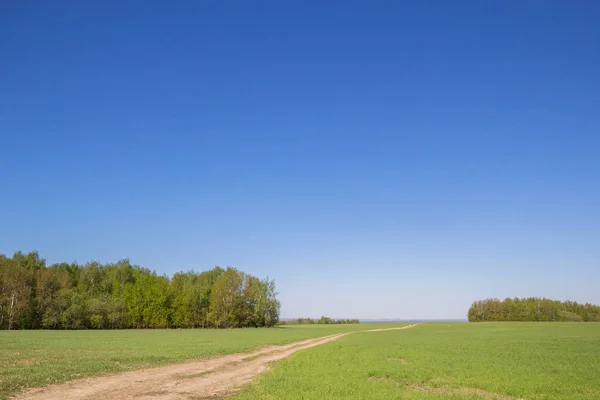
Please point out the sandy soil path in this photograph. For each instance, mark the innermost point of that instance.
(203, 379)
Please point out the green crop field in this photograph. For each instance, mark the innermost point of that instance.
(36, 358)
(491, 361)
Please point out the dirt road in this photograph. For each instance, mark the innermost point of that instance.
(204, 379)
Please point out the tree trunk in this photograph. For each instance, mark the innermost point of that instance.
(11, 311)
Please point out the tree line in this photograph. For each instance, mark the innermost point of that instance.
(532, 309)
(320, 321)
(121, 296)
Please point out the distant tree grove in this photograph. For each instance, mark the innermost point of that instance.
(121, 296)
(532, 309)
(320, 321)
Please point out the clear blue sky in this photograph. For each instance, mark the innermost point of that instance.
(378, 159)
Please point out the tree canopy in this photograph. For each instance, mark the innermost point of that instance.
(121, 295)
(532, 309)
(320, 321)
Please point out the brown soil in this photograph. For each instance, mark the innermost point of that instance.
(399, 360)
(203, 379)
(482, 394)
(446, 390)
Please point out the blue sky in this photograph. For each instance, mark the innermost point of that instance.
(378, 159)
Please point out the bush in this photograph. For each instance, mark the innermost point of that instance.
(567, 316)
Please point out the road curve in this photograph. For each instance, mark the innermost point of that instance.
(203, 379)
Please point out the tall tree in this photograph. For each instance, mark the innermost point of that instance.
(226, 300)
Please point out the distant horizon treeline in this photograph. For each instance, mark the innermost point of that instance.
(122, 296)
(532, 309)
(320, 321)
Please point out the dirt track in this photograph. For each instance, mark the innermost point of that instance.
(204, 379)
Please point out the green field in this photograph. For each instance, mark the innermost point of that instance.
(36, 358)
(492, 361)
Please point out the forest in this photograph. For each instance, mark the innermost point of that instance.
(320, 321)
(532, 309)
(121, 296)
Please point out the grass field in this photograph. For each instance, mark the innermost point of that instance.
(37, 358)
(491, 361)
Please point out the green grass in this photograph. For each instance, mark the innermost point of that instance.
(492, 361)
(37, 358)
